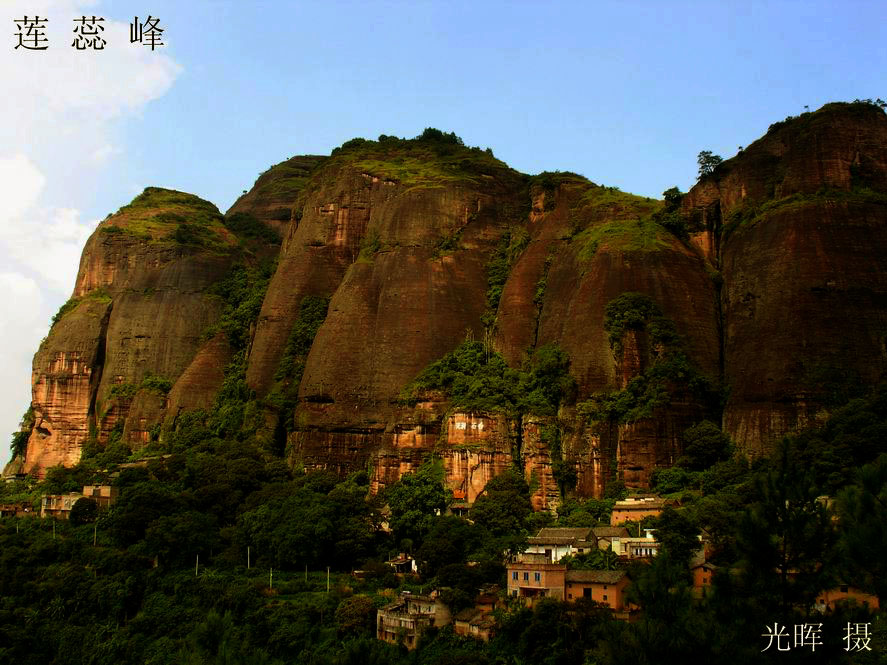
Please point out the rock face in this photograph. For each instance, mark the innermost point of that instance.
(800, 215)
(777, 297)
(139, 308)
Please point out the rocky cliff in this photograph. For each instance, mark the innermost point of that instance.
(758, 303)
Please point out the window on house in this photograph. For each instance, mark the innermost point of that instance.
(514, 592)
(570, 596)
(537, 577)
(605, 586)
(526, 577)
(586, 593)
(605, 596)
(514, 575)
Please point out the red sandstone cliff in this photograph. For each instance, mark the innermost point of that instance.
(779, 295)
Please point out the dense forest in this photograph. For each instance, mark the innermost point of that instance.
(162, 576)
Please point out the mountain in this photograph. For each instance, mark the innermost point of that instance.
(402, 297)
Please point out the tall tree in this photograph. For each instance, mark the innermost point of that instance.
(862, 508)
(415, 500)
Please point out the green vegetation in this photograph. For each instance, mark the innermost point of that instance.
(708, 163)
(430, 160)
(637, 235)
(242, 291)
(775, 547)
(857, 106)
(370, 244)
(245, 226)
(163, 215)
(312, 313)
(604, 215)
(478, 379)
(513, 242)
(548, 183)
(750, 215)
(447, 244)
(123, 391)
(415, 500)
(156, 384)
(670, 369)
(19, 444)
(287, 179)
(503, 509)
(99, 295)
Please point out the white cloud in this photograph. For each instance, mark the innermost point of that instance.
(57, 132)
(103, 153)
(24, 323)
(20, 184)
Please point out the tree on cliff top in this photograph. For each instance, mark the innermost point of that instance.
(707, 162)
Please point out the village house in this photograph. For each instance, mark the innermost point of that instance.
(829, 600)
(636, 509)
(407, 618)
(608, 537)
(472, 622)
(478, 621)
(703, 573)
(532, 576)
(60, 505)
(20, 509)
(103, 495)
(403, 564)
(460, 506)
(557, 542)
(602, 586)
(643, 547)
(488, 598)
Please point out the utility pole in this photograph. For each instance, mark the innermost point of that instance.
(196, 565)
(247, 557)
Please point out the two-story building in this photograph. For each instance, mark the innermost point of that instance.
(60, 505)
(407, 618)
(644, 547)
(533, 576)
(637, 508)
(104, 495)
(557, 542)
(703, 574)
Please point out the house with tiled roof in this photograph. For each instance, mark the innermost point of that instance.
(603, 586)
(558, 542)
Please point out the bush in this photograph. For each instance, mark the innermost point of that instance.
(704, 445)
(244, 225)
(674, 479)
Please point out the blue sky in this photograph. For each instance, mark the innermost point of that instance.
(626, 93)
